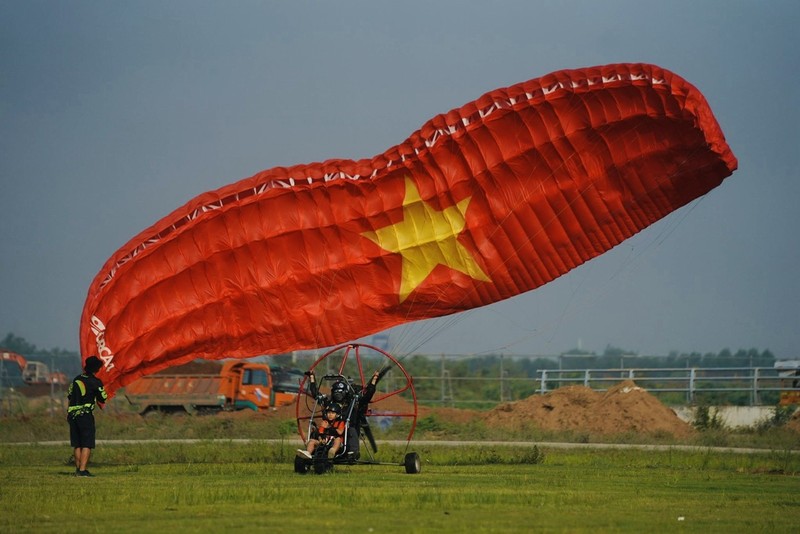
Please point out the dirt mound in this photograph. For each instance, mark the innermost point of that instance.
(794, 422)
(624, 408)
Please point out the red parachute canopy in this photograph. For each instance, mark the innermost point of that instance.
(497, 197)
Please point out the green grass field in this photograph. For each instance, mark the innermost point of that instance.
(226, 486)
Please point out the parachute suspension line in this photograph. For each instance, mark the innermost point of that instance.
(671, 224)
(457, 317)
(436, 326)
(632, 259)
(433, 327)
(155, 313)
(675, 222)
(415, 334)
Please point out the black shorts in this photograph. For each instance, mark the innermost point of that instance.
(82, 431)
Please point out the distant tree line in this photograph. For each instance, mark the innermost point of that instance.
(461, 370)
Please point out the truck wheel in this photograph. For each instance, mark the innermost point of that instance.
(412, 463)
(301, 466)
(150, 413)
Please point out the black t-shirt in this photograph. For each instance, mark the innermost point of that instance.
(84, 391)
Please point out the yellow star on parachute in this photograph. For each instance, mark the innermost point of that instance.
(426, 238)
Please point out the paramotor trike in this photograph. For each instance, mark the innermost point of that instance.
(343, 379)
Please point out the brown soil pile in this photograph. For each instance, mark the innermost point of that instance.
(794, 422)
(622, 409)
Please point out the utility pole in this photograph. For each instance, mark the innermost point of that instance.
(502, 380)
(2, 384)
(447, 388)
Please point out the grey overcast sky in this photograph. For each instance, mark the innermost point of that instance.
(115, 113)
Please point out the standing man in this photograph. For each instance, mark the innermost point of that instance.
(84, 392)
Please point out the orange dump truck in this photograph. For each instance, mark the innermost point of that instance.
(238, 385)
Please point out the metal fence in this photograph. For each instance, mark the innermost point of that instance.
(754, 381)
(754, 386)
(742, 386)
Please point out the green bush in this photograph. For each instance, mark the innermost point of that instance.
(706, 418)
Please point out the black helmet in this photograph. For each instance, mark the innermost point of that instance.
(333, 407)
(339, 391)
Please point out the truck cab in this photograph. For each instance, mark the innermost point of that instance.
(250, 385)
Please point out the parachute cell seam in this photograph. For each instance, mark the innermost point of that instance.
(449, 130)
(657, 241)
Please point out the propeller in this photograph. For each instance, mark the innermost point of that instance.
(368, 432)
